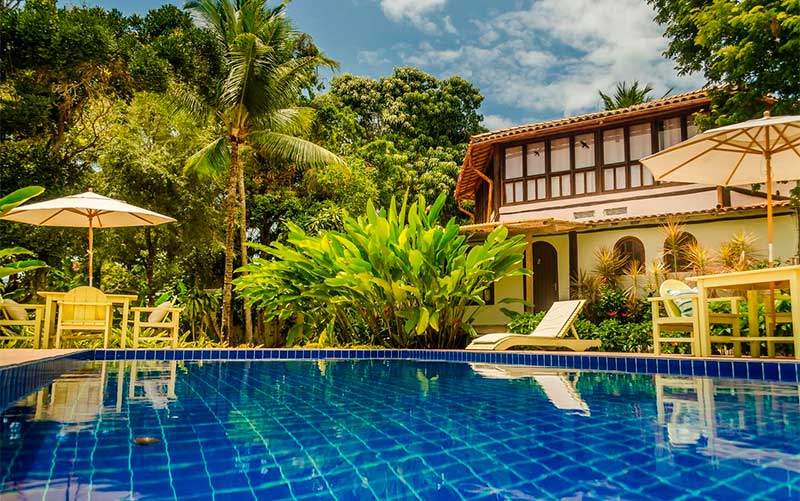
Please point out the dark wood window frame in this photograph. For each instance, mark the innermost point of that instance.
(598, 168)
(630, 248)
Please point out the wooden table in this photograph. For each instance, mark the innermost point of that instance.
(779, 278)
(51, 298)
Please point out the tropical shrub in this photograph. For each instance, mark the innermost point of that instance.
(625, 337)
(524, 323)
(398, 274)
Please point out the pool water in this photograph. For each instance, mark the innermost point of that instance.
(377, 429)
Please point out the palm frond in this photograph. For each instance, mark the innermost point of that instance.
(294, 121)
(291, 149)
(210, 161)
(247, 59)
(180, 99)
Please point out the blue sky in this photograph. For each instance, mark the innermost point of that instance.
(532, 59)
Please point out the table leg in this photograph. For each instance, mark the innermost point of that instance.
(702, 319)
(124, 328)
(794, 291)
(752, 322)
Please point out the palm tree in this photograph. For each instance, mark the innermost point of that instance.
(268, 65)
(625, 96)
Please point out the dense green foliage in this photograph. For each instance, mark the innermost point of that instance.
(396, 278)
(267, 65)
(92, 98)
(752, 46)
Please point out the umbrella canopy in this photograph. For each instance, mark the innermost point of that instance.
(86, 210)
(762, 150)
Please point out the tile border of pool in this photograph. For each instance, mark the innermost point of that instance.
(21, 379)
(768, 370)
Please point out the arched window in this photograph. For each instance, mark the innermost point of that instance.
(676, 251)
(630, 249)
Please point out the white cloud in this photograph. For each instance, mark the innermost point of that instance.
(496, 122)
(371, 57)
(448, 26)
(414, 11)
(550, 57)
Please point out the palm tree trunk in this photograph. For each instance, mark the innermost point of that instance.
(248, 314)
(230, 224)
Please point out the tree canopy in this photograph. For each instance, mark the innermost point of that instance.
(91, 98)
(749, 46)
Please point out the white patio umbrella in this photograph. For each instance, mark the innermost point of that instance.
(757, 151)
(86, 210)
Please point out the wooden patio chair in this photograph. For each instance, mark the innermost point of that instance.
(781, 317)
(21, 322)
(162, 324)
(679, 302)
(83, 310)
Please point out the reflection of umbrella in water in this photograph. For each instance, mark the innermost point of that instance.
(86, 210)
(757, 151)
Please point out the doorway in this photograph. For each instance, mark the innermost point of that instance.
(545, 276)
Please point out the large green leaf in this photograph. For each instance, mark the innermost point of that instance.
(18, 197)
(9, 269)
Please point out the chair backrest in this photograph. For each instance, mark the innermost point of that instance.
(91, 305)
(559, 318)
(669, 303)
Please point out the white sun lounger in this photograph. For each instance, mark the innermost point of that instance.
(550, 333)
(556, 385)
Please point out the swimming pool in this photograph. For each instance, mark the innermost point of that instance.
(396, 429)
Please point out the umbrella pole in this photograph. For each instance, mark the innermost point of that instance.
(770, 229)
(770, 235)
(91, 251)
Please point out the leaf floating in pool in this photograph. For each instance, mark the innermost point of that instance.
(146, 440)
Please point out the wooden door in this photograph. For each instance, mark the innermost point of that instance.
(545, 276)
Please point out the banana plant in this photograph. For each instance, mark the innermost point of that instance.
(8, 268)
(396, 273)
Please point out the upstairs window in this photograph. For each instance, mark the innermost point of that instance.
(669, 132)
(614, 146)
(514, 175)
(584, 151)
(514, 162)
(641, 141)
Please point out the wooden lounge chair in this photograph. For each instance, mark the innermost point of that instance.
(18, 318)
(84, 310)
(162, 324)
(680, 304)
(550, 333)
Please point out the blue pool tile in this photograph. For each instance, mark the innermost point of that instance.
(740, 370)
(686, 367)
(673, 366)
(771, 371)
(788, 371)
(712, 368)
(662, 367)
(725, 368)
(755, 370)
(699, 367)
(650, 365)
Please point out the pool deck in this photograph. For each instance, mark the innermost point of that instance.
(23, 356)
